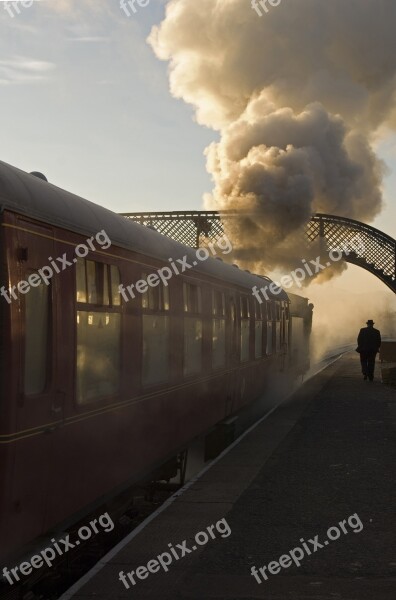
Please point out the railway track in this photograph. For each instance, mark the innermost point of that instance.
(127, 512)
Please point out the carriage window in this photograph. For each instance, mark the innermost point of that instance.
(81, 281)
(192, 298)
(192, 329)
(37, 347)
(278, 311)
(218, 304)
(115, 283)
(218, 343)
(245, 325)
(277, 336)
(245, 312)
(264, 310)
(258, 331)
(97, 283)
(156, 353)
(287, 311)
(218, 329)
(105, 277)
(285, 324)
(92, 282)
(192, 346)
(273, 310)
(156, 333)
(245, 329)
(258, 308)
(98, 355)
(157, 295)
(98, 330)
(269, 310)
(269, 338)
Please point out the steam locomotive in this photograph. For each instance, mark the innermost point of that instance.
(99, 390)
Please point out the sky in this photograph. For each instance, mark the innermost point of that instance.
(84, 99)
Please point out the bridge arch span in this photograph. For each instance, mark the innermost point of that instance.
(378, 255)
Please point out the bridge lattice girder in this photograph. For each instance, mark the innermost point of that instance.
(188, 227)
(377, 254)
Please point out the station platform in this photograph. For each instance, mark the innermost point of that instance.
(325, 457)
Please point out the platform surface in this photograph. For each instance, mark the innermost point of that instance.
(325, 455)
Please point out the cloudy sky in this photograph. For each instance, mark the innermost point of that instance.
(85, 100)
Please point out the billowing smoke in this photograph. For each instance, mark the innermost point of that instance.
(298, 95)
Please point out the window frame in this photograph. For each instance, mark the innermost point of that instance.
(245, 321)
(89, 307)
(163, 310)
(218, 315)
(164, 302)
(49, 346)
(107, 268)
(259, 318)
(193, 311)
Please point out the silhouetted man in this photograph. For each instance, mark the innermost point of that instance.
(369, 343)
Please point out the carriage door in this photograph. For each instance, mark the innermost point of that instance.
(37, 413)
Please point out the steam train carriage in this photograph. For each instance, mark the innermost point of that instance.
(97, 391)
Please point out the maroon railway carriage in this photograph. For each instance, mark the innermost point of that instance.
(96, 392)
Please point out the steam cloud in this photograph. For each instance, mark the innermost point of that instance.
(297, 96)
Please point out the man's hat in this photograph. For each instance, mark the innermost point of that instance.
(370, 322)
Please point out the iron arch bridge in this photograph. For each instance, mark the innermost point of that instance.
(194, 228)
